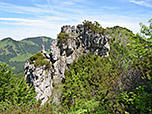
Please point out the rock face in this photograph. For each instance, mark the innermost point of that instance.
(71, 43)
(40, 78)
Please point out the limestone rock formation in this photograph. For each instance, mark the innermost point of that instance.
(71, 43)
(40, 78)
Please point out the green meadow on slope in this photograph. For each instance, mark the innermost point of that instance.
(15, 53)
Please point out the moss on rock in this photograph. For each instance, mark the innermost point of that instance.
(63, 36)
(39, 60)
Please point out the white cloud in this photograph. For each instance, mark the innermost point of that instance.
(47, 19)
(49, 26)
(41, 21)
(68, 3)
(20, 28)
(21, 20)
(24, 32)
(114, 20)
(109, 7)
(55, 18)
(142, 3)
(38, 9)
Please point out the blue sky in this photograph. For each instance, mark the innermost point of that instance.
(28, 18)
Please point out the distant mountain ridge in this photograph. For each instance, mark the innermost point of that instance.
(15, 53)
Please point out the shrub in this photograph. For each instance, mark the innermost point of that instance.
(63, 36)
(88, 78)
(138, 101)
(13, 92)
(39, 60)
(94, 26)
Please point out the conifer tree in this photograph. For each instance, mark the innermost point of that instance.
(13, 92)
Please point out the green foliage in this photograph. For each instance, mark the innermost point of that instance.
(63, 36)
(88, 78)
(20, 58)
(119, 35)
(142, 45)
(92, 77)
(18, 67)
(95, 26)
(138, 101)
(147, 31)
(93, 84)
(5, 79)
(39, 60)
(36, 108)
(13, 92)
(86, 107)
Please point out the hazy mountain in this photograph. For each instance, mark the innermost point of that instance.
(15, 53)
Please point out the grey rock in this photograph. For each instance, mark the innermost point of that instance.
(62, 53)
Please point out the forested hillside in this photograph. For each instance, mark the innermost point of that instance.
(120, 83)
(15, 53)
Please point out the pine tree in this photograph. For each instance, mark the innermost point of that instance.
(13, 92)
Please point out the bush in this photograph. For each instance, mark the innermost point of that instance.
(13, 92)
(88, 78)
(94, 26)
(39, 60)
(138, 101)
(63, 36)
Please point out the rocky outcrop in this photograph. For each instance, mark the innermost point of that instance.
(40, 78)
(71, 43)
(74, 43)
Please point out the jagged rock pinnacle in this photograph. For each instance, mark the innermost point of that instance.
(71, 43)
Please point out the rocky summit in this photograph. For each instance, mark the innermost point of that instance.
(45, 71)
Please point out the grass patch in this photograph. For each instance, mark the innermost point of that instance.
(20, 58)
(39, 60)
